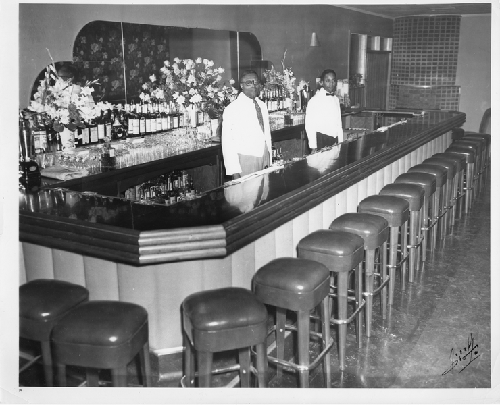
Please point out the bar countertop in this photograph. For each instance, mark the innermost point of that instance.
(224, 219)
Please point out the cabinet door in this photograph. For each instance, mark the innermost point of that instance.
(377, 79)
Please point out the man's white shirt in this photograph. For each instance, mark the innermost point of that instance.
(241, 132)
(323, 115)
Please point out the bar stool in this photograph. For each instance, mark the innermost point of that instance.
(428, 183)
(219, 320)
(396, 211)
(103, 335)
(297, 285)
(486, 150)
(438, 202)
(451, 166)
(470, 158)
(457, 192)
(341, 253)
(42, 303)
(374, 230)
(476, 146)
(481, 143)
(415, 195)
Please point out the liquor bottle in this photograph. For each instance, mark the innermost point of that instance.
(158, 117)
(142, 120)
(117, 130)
(39, 135)
(149, 118)
(94, 138)
(152, 115)
(101, 131)
(85, 135)
(108, 122)
(123, 119)
(171, 194)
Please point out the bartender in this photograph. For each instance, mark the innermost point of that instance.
(246, 135)
(323, 116)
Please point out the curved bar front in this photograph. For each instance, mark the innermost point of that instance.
(156, 255)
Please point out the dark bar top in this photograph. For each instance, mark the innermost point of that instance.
(224, 219)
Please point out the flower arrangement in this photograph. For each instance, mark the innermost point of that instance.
(284, 80)
(189, 82)
(64, 104)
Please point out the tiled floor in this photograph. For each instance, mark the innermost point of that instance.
(447, 308)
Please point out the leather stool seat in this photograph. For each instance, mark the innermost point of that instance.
(101, 334)
(394, 210)
(412, 193)
(298, 285)
(42, 303)
(292, 283)
(338, 251)
(459, 159)
(440, 173)
(372, 228)
(450, 165)
(234, 313)
(468, 153)
(425, 180)
(219, 320)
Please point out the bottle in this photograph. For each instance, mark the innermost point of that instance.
(39, 135)
(101, 131)
(149, 118)
(142, 121)
(158, 118)
(117, 130)
(94, 138)
(108, 122)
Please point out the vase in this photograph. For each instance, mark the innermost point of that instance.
(192, 112)
(216, 127)
(67, 139)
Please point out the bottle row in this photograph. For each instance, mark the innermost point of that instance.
(166, 189)
(133, 120)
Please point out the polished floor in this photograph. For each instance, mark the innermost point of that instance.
(436, 335)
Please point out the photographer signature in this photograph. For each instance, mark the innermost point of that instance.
(467, 354)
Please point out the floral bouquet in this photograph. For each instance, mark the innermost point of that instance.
(284, 80)
(64, 104)
(189, 82)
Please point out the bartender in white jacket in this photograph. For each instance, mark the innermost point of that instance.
(323, 117)
(246, 135)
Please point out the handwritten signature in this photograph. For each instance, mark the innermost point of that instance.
(469, 353)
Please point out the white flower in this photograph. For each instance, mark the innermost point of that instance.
(145, 86)
(164, 70)
(86, 91)
(177, 60)
(166, 63)
(231, 82)
(221, 95)
(175, 95)
(198, 60)
(205, 62)
(196, 98)
(152, 78)
(180, 100)
(192, 91)
(210, 63)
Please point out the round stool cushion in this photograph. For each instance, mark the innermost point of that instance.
(292, 283)
(461, 160)
(101, 334)
(477, 135)
(439, 172)
(372, 228)
(395, 210)
(43, 302)
(469, 154)
(473, 144)
(412, 193)
(425, 180)
(482, 141)
(457, 133)
(339, 251)
(450, 165)
(224, 319)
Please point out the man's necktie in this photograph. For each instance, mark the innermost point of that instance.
(330, 94)
(259, 114)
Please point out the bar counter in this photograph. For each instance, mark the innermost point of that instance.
(156, 255)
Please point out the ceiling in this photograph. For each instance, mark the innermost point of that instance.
(403, 10)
